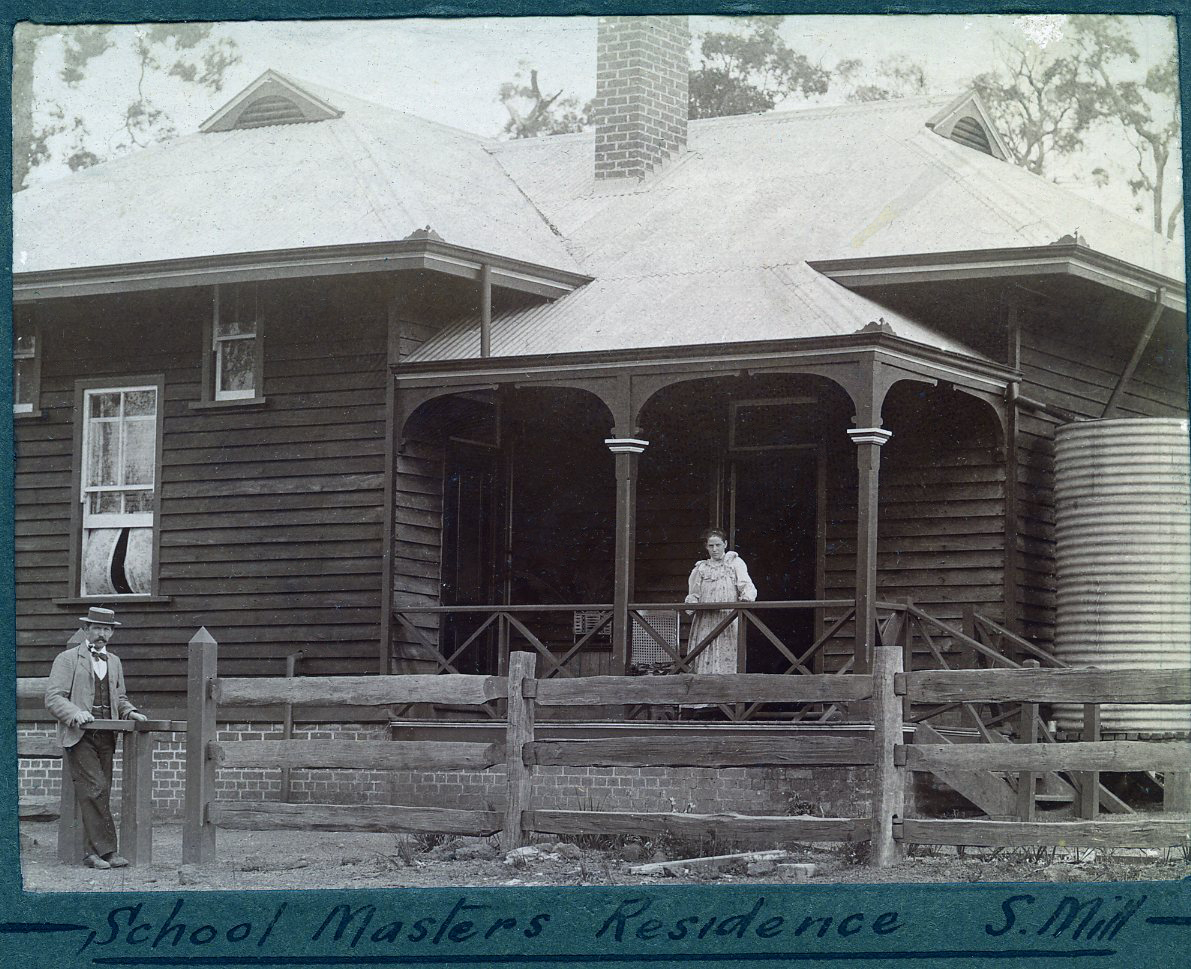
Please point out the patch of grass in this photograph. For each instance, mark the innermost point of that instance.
(853, 853)
(428, 841)
(796, 806)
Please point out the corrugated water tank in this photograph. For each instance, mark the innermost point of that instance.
(1123, 536)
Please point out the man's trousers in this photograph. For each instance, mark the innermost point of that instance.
(90, 763)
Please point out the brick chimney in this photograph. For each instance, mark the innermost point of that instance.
(640, 107)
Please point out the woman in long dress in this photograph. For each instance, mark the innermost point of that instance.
(721, 577)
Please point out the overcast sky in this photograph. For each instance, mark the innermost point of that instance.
(450, 70)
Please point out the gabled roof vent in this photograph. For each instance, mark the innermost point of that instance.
(271, 99)
(968, 131)
(966, 121)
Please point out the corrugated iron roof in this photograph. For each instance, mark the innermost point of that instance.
(714, 248)
(824, 183)
(371, 175)
(778, 302)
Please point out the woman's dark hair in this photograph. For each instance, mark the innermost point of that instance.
(707, 534)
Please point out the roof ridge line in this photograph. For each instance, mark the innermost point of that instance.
(378, 169)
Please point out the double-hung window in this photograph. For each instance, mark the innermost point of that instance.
(236, 344)
(26, 363)
(118, 489)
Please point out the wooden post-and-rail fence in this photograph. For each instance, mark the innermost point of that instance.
(136, 799)
(520, 753)
(887, 689)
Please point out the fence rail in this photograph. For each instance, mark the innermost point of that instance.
(722, 826)
(1047, 686)
(1072, 834)
(361, 691)
(269, 815)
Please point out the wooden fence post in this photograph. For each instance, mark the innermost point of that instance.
(287, 728)
(70, 827)
(907, 648)
(967, 654)
(136, 799)
(1027, 781)
(889, 780)
(1089, 781)
(518, 733)
(1176, 791)
(198, 833)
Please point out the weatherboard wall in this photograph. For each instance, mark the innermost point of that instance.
(270, 515)
(940, 526)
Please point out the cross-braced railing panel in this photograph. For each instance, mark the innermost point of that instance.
(656, 628)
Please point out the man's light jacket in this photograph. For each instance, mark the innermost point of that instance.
(71, 690)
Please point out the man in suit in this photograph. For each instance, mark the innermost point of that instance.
(87, 683)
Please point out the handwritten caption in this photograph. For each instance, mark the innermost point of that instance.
(629, 920)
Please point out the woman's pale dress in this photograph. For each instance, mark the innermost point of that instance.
(724, 581)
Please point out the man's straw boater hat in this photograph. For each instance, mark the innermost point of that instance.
(100, 616)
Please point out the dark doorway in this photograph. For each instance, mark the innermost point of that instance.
(773, 516)
(471, 547)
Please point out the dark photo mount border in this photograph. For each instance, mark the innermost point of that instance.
(939, 925)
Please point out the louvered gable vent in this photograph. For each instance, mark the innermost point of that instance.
(268, 110)
(966, 121)
(968, 131)
(270, 100)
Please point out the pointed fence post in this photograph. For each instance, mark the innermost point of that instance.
(198, 832)
(889, 779)
(518, 734)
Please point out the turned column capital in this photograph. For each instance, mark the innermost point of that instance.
(626, 445)
(869, 435)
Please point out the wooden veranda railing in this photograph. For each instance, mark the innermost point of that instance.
(512, 628)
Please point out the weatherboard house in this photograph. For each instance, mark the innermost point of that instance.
(321, 368)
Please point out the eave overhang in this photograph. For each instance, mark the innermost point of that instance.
(1070, 259)
(407, 254)
(740, 358)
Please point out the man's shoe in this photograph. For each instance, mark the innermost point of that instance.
(114, 860)
(94, 861)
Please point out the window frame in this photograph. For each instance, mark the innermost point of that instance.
(736, 406)
(212, 397)
(33, 409)
(82, 388)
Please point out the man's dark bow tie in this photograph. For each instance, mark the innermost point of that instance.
(98, 651)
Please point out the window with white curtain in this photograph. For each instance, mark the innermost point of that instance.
(118, 490)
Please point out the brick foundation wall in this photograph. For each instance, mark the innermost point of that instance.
(43, 777)
(835, 791)
(832, 791)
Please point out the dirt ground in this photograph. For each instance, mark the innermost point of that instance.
(314, 859)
